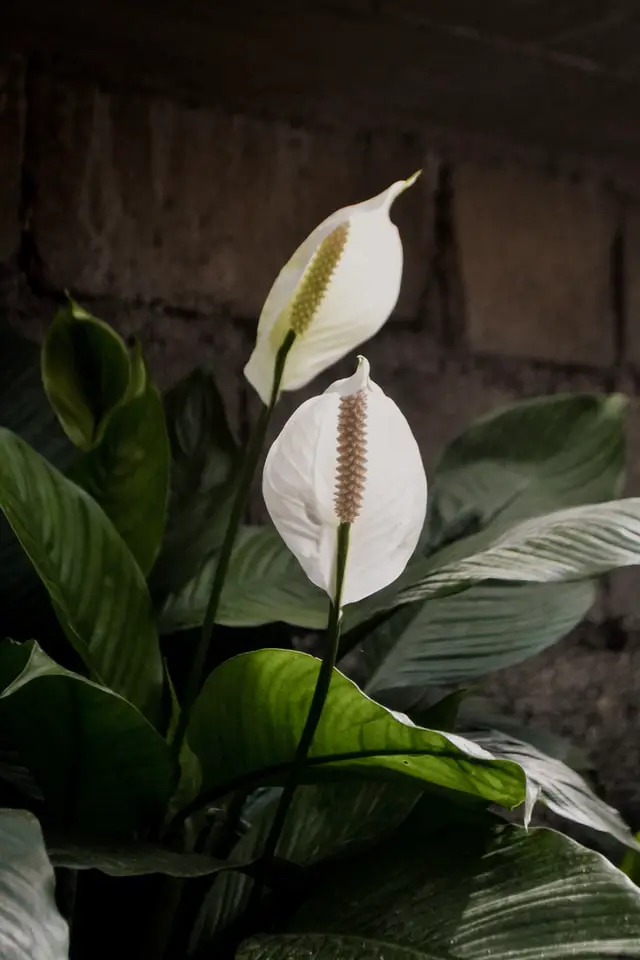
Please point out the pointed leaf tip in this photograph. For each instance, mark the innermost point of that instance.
(400, 186)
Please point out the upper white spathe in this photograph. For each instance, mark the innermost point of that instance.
(359, 299)
(299, 484)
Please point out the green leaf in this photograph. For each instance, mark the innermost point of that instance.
(265, 583)
(559, 787)
(128, 473)
(86, 373)
(132, 859)
(573, 544)
(369, 812)
(529, 459)
(454, 639)
(100, 764)
(30, 924)
(355, 737)
(440, 713)
(98, 591)
(25, 410)
(204, 457)
(463, 894)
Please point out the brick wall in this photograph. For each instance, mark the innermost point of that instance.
(171, 220)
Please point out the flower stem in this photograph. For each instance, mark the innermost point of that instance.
(245, 479)
(334, 628)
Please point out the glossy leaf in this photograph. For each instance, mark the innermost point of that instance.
(573, 544)
(99, 763)
(128, 473)
(86, 373)
(528, 459)
(132, 859)
(25, 410)
(30, 924)
(369, 812)
(439, 712)
(455, 639)
(506, 894)
(203, 459)
(559, 787)
(98, 591)
(355, 737)
(265, 583)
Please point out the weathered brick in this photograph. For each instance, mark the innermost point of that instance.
(151, 199)
(11, 139)
(535, 255)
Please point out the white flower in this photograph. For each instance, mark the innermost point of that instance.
(335, 292)
(348, 456)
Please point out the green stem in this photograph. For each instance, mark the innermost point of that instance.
(245, 479)
(334, 627)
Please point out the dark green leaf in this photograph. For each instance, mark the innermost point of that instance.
(132, 859)
(204, 456)
(312, 832)
(441, 714)
(31, 927)
(97, 589)
(128, 473)
(25, 410)
(529, 459)
(86, 373)
(265, 584)
(563, 790)
(455, 639)
(355, 737)
(99, 763)
(464, 894)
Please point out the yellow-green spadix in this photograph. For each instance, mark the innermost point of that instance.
(348, 456)
(336, 291)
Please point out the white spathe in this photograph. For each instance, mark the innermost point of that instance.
(300, 481)
(358, 299)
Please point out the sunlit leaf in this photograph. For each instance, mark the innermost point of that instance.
(355, 737)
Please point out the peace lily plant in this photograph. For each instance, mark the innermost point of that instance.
(179, 779)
